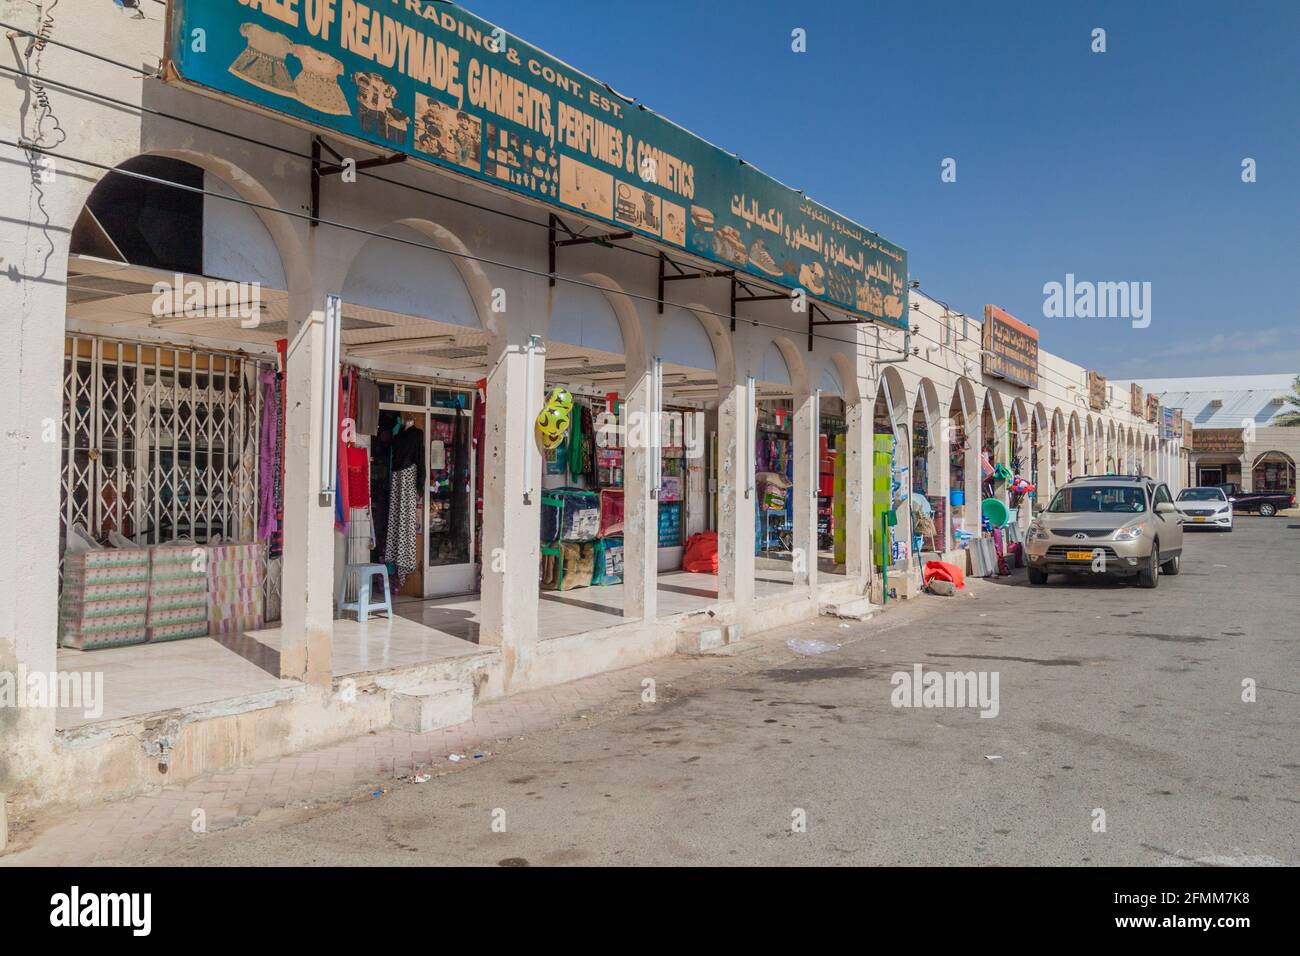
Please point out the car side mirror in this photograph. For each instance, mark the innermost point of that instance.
(1165, 508)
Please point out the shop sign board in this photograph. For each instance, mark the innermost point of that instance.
(1218, 441)
(1178, 423)
(1096, 391)
(1010, 348)
(435, 82)
(1135, 404)
(1153, 408)
(1166, 422)
(1189, 433)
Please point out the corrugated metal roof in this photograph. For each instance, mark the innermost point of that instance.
(1240, 398)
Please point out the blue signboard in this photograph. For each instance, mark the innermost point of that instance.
(436, 82)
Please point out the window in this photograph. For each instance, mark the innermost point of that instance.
(1111, 499)
(1201, 494)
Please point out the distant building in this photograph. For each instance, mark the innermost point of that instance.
(1234, 439)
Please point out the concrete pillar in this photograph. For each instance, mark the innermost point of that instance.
(939, 479)
(972, 476)
(640, 498)
(858, 491)
(735, 497)
(804, 491)
(307, 595)
(512, 466)
(33, 309)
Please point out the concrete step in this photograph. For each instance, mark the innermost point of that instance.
(849, 609)
(432, 705)
(707, 638)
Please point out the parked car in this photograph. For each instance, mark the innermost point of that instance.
(1205, 508)
(1265, 503)
(1111, 525)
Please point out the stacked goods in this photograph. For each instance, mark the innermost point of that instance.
(105, 598)
(611, 512)
(178, 592)
(570, 522)
(607, 561)
(235, 587)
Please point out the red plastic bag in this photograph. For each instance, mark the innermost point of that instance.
(701, 553)
(944, 572)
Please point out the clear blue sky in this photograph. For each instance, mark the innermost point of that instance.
(1122, 166)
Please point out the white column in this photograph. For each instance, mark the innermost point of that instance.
(512, 492)
(858, 491)
(804, 491)
(307, 601)
(736, 496)
(640, 496)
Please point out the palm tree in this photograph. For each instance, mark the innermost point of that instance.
(1291, 417)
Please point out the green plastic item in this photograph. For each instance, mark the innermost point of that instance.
(995, 511)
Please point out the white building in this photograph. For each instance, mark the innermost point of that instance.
(463, 303)
(1235, 436)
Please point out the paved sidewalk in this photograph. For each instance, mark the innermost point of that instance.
(144, 828)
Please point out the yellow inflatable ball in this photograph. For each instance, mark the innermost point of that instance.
(552, 426)
(560, 398)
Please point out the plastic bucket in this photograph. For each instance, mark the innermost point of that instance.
(956, 497)
(995, 511)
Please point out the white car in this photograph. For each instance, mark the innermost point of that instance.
(1205, 507)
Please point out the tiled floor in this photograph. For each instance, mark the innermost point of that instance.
(153, 677)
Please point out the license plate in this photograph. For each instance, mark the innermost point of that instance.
(1079, 555)
(1200, 520)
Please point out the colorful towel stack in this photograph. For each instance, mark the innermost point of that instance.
(235, 574)
(105, 598)
(178, 592)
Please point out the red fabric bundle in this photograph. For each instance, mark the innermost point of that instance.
(701, 553)
(944, 572)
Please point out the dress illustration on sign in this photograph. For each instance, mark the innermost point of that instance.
(263, 64)
(317, 85)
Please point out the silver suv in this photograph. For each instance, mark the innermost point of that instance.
(1114, 525)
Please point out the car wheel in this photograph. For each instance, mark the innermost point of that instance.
(1172, 567)
(1267, 510)
(1037, 577)
(1150, 577)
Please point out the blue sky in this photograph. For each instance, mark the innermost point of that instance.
(1118, 166)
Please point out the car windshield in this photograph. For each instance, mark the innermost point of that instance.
(1200, 494)
(1125, 499)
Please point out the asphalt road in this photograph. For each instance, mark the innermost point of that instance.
(1110, 698)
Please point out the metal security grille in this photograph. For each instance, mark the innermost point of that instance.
(159, 443)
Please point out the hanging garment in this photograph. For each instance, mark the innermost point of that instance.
(268, 458)
(262, 62)
(403, 516)
(358, 478)
(341, 517)
(317, 85)
(367, 401)
(381, 484)
(407, 450)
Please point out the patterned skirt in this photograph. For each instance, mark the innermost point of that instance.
(262, 69)
(403, 519)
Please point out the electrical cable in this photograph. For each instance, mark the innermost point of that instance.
(582, 231)
(522, 219)
(410, 242)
